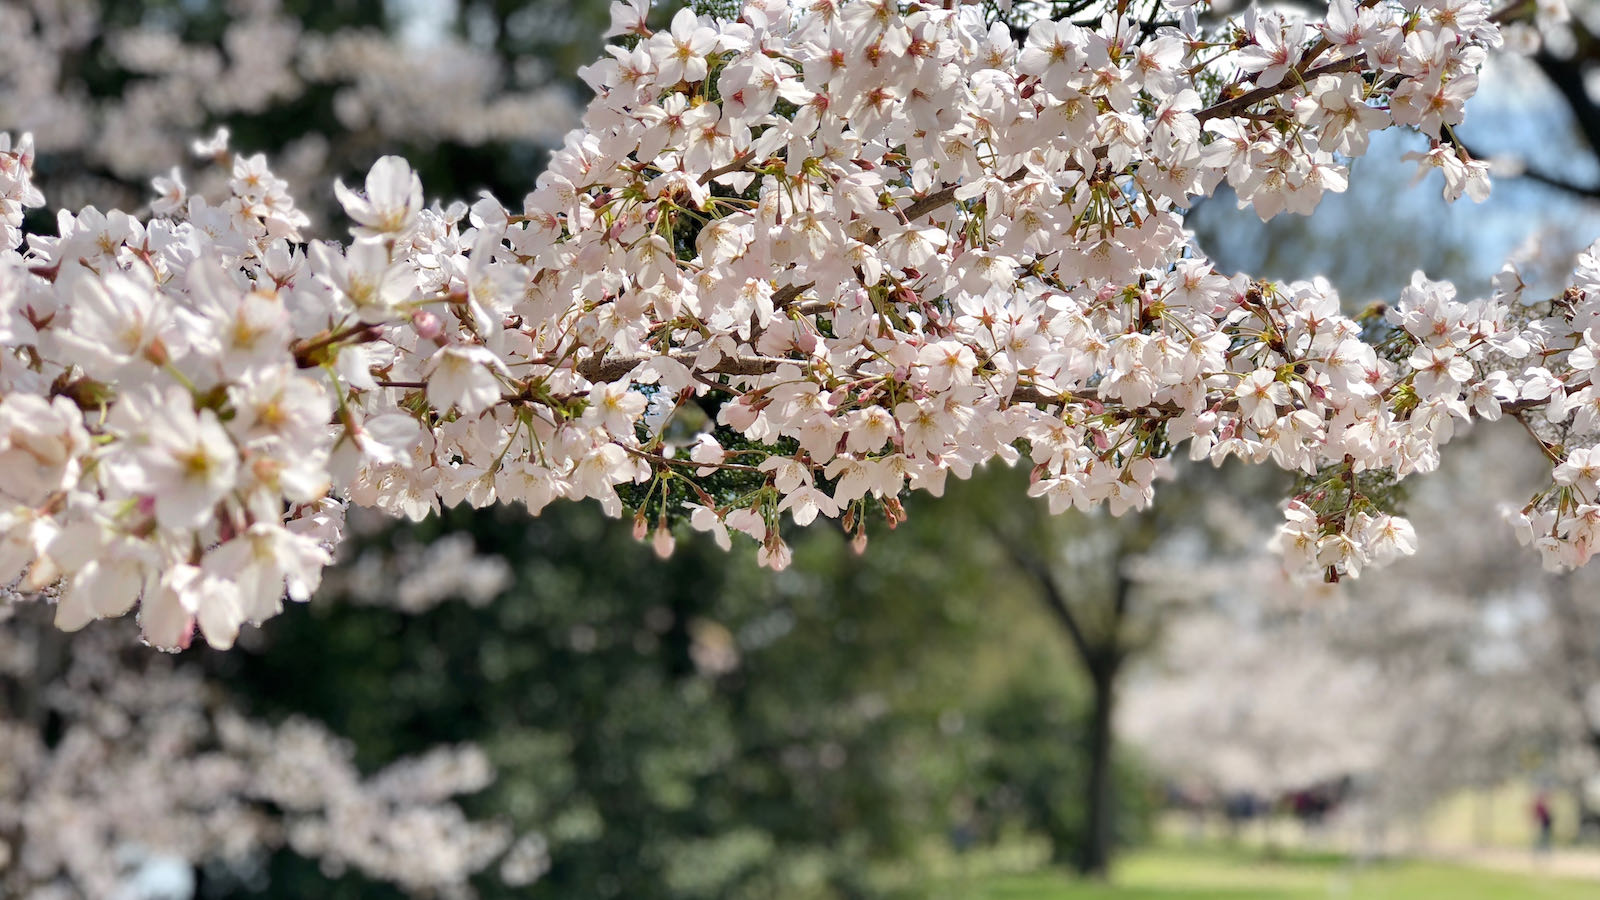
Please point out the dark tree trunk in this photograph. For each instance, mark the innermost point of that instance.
(1094, 858)
(1101, 652)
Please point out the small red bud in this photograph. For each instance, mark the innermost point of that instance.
(157, 353)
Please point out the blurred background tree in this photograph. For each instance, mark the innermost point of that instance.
(697, 727)
(473, 92)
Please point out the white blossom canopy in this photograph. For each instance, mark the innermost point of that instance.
(880, 242)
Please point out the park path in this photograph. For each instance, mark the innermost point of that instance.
(1557, 863)
(1575, 862)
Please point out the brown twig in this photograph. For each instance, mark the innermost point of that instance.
(739, 162)
(657, 459)
(1250, 98)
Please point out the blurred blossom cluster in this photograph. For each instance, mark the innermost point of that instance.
(154, 763)
(414, 577)
(454, 94)
(386, 90)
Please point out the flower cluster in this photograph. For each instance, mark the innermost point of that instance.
(148, 766)
(865, 246)
(384, 89)
(414, 577)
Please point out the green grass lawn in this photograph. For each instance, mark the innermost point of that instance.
(1224, 875)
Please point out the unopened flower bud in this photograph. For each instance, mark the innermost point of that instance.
(893, 512)
(157, 353)
(427, 324)
(663, 542)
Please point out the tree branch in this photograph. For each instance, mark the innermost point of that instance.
(1049, 592)
(1586, 192)
(616, 368)
(739, 162)
(786, 295)
(1568, 77)
(1250, 98)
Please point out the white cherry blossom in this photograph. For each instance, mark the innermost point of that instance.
(941, 249)
(392, 200)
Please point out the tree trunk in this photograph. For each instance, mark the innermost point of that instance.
(1101, 653)
(1094, 858)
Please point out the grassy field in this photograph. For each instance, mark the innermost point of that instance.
(1221, 875)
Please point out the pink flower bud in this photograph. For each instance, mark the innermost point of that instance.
(893, 512)
(662, 542)
(427, 324)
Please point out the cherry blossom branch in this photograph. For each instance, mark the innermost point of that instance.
(178, 409)
(1235, 105)
(735, 165)
(657, 459)
(617, 368)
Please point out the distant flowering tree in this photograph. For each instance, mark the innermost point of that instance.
(147, 771)
(1443, 672)
(867, 244)
(113, 90)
